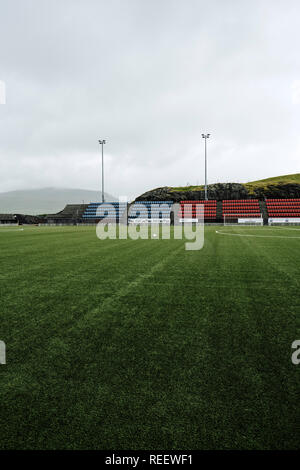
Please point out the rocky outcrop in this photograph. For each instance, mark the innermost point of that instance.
(274, 191)
(221, 191)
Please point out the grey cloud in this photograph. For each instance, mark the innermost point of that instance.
(149, 77)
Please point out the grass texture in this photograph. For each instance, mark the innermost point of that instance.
(123, 344)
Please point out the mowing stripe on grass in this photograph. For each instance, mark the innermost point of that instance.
(250, 235)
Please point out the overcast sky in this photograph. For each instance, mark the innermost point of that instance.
(149, 76)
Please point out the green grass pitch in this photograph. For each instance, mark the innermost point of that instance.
(122, 344)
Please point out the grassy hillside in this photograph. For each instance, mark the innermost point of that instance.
(264, 183)
(275, 181)
(187, 188)
(284, 179)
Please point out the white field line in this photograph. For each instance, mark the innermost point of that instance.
(284, 228)
(256, 236)
(11, 230)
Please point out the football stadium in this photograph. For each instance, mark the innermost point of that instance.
(150, 281)
(171, 349)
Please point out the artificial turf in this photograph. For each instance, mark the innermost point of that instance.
(123, 344)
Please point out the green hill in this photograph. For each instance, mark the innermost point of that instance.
(286, 186)
(275, 180)
(279, 180)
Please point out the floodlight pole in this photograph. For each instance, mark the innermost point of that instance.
(205, 137)
(102, 142)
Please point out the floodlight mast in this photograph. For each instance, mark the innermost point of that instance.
(102, 142)
(205, 137)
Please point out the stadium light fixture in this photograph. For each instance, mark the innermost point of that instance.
(102, 142)
(205, 137)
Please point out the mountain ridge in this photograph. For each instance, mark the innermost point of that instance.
(48, 200)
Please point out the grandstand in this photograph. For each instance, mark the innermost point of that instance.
(96, 211)
(150, 210)
(272, 210)
(189, 210)
(287, 209)
(248, 208)
(8, 219)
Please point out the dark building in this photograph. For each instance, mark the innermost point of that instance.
(8, 219)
